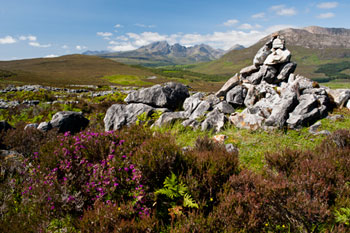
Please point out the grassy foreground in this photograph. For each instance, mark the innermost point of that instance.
(139, 180)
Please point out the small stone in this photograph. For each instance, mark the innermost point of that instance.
(44, 126)
(277, 57)
(230, 148)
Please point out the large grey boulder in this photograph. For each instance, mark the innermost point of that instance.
(119, 115)
(269, 74)
(224, 107)
(303, 83)
(251, 97)
(306, 112)
(296, 121)
(69, 121)
(339, 96)
(236, 96)
(4, 126)
(286, 70)
(192, 102)
(169, 118)
(171, 95)
(214, 120)
(281, 109)
(249, 70)
(212, 99)
(231, 83)
(247, 120)
(262, 54)
(201, 110)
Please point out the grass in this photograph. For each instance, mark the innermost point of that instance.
(337, 84)
(253, 145)
(127, 80)
(66, 70)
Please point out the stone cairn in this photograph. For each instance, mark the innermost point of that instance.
(268, 91)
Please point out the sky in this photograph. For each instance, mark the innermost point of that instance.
(50, 28)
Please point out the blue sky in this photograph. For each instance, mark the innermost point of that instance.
(47, 28)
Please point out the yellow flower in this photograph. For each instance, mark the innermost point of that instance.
(266, 224)
(119, 208)
(283, 226)
(211, 199)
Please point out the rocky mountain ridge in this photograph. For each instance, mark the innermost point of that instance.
(167, 54)
(315, 37)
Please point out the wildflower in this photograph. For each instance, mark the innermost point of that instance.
(283, 226)
(266, 224)
(211, 199)
(119, 208)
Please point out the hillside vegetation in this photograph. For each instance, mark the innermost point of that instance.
(92, 70)
(139, 179)
(70, 69)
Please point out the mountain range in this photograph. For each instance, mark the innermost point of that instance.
(161, 53)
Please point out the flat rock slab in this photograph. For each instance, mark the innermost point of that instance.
(170, 95)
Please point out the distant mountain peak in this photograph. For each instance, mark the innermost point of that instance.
(236, 47)
(163, 52)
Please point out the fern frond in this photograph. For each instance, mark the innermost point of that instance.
(189, 202)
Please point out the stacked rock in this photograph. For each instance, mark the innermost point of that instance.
(273, 96)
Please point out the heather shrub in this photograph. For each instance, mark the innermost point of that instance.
(210, 166)
(105, 218)
(298, 191)
(28, 141)
(79, 171)
(158, 156)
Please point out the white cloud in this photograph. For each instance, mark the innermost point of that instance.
(118, 26)
(104, 34)
(327, 5)
(144, 26)
(245, 26)
(223, 40)
(30, 38)
(37, 44)
(51, 56)
(282, 10)
(80, 47)
(326, 15)
(7, 40)
(230, 22)
(65, 47)
(122, 47)
(259, 15)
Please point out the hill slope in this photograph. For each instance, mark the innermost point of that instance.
(65, 70)
(311, 48)
(162, 54)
